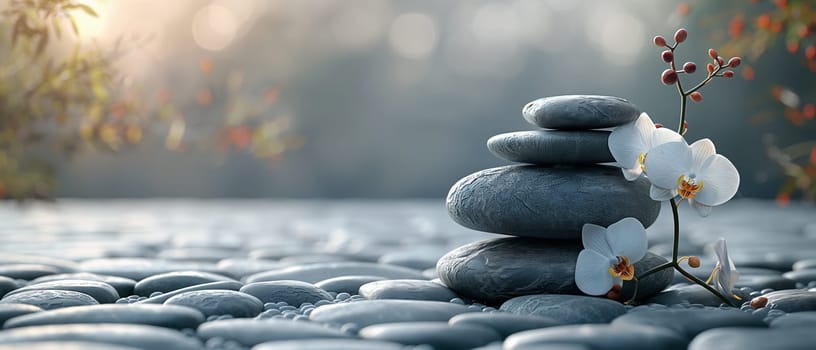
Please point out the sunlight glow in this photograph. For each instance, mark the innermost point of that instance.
(413, 36)
(214, 27)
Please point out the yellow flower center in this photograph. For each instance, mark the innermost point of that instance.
(642, 161)
(623, 269)
(688, 187)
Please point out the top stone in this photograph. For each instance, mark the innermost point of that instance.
(579, 112)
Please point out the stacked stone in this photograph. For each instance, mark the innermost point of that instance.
(544, 203)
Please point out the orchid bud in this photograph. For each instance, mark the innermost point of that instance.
(667, 56)
(668, 77)
(710, 68)
(680, 35)
(689, 67)
(658, 125)
(685, 125)
(759, 302)
(660, 41)
(720, 61)
(694, 261)
(728, 74)
(696, 97)
(713, 54)
(734, 62)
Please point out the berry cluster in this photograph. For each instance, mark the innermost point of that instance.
(671, 76)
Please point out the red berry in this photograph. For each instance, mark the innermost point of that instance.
(667, 56)
(810, 52)
(734, 62)
(668, 77)
(696, 96)
(728, 74)
(659, 41)
(680, 35)
(713, 54)
(710, 68)
(809, 111)
(689, 67)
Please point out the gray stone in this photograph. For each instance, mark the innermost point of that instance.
(498, 269)
(368, 312)
(689, 322)
(505, 323)
(7, 285)
(137, 336)
(224, 285)
(62, 265)
(577, 112)
(752, 338)
(795, 320)
(792, 300)
(293, 293)
(50, 299)
(691, 294)
(170, 281)
(141, 268)
(439, 335)
(548, 201)
(219, 302)
(568, 309)
(599, 337)
(64, 345)
(418, 259)
(801, 276)
(240, 267)
(168, 316)
(9, 311)
(552, 147)
(804, 264)
(407, 289)
(250, 332)
(313, 273)
(329, 344)
(197, 254)
(27, 271)
(760, 282)
(103, 293)
(346, 284)
(123, 286)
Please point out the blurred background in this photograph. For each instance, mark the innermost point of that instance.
(371, 98)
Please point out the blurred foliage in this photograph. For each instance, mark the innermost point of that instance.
(754, 28)
(59, 96)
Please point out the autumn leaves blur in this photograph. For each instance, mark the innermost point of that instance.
(59, 96)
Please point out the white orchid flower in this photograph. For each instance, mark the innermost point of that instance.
(725, 274)
(630, 143)
(696, 173)
(609, 255)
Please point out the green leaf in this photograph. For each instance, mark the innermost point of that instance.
(87, 9)
(41, 44)
(74, 25)
(55, 24)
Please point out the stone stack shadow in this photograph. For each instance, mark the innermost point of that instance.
(544, 202)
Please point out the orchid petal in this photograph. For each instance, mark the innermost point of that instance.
(594, 238)
(728, 275)
(626, 143)
(592, 273)
(663, 135)
(632, 174)
(627, 237)
(667, 162)
(661, 194)
(702, 209)
(645, 127)
(700, 151)
(720, 180)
